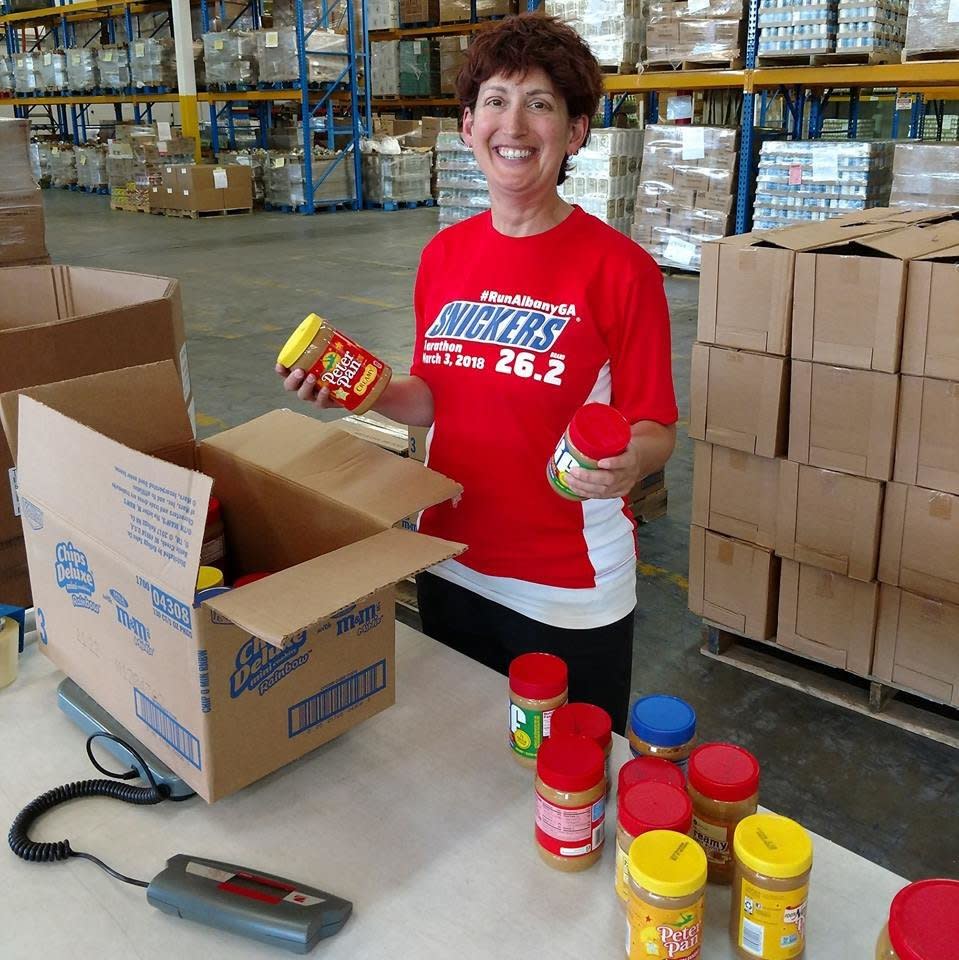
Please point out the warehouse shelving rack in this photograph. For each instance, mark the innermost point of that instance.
(350, 91)
(925, 83)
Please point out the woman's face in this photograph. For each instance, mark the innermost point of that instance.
(520, 132)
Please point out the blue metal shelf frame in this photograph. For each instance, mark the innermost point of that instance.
(747, 124)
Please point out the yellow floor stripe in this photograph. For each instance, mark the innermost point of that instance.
(370, 302)
(661, 573)
(204, 420)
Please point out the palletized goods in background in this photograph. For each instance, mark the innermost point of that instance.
(605, 176)
(686, 191)
(803, 180)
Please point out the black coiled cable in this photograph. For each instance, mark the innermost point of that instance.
(35, 852)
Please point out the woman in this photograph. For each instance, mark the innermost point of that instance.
(523, 314)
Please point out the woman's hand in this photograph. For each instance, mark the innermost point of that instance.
(305, 387)
(614, 476)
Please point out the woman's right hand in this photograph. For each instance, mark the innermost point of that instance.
(305, 387)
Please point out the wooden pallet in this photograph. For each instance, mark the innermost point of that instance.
(653, 506)
(619, 69)
(202, 214)
(867, 695)
(864, 57)
(913, 56)
(789, 59)
(671, 66)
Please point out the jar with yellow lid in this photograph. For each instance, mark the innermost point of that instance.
(723, 783)
(772, 864)
(570, 802)
(662, 726)
(538, 685)
(667, 896)
(355, 377)
(923, 923)
(207, 577)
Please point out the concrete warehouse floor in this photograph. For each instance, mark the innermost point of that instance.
(887, 794)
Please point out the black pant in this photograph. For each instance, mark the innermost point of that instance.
(600, 659)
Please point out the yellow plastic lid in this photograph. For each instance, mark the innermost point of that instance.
(667, 863)
(772, 845)
(209, 577)
(300, 339)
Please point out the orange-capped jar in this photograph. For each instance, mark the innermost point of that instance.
(355, 377)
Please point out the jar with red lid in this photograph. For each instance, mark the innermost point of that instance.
(249, 578)
(648, 805)
(641, 769)
(570, 802)
(723, 783)
(538, 685)
(923, 923)
(597, 431)
(587, 720)
(213, 549)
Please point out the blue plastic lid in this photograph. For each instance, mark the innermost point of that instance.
(662, 720)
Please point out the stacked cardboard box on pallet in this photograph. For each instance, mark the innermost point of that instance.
(932, 30)
(925, 174)
(709, 31)
(203, 188)
(614, 29)
(794, 546)
(22, 236)
(686, 191)
(419, 68)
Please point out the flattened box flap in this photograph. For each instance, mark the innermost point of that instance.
(140, 407)
(337, 465)
(278, 607)
(148, 512)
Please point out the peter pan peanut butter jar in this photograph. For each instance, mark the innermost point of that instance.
(354, 376)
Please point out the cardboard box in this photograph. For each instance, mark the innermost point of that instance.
(739, 400)
(916, 644)
(454, 11)
(418, 442)
(63, 321)
(930, 346)
(733, 583)
(843, 419)
(375, 428)
(231, 687)
(206, 187)
(919, 549)
(927, 441)
(22, 229)
(735, 493)
(416, 12)
(848, 298)
(829, 520)
(827, 617)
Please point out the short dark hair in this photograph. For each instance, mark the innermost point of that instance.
(518, 44)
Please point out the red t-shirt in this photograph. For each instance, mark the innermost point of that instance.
(513, 335)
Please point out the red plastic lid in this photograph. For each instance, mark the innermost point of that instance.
(248, 578)
(723, 771)
(583, 718)
(570, 763)
(598, 431)
(214, 511)
(538, 676)
(655, 806)
(641, 769)
(924, 921)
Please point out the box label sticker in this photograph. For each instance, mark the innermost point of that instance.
(904, 103)
(825, 165)
(74, 575)
(952, 14)
(694, 143)
(139, 49)
(795, 174)
(12, 475)
(167, 728)
(337, 698)
(107, 56)
(694, 6)
(272, 39)
(219, 178)
(680, 251)
(260, 665)
(679, 108)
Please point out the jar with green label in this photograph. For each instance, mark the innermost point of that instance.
(538, 685)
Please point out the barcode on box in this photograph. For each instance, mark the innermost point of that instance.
(166, 728)
(337, 697)
(752, 937)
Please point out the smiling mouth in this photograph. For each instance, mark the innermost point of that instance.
(513, 153)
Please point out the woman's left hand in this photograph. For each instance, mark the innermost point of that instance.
(614, 477)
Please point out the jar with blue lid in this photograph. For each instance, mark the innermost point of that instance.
(662, 726)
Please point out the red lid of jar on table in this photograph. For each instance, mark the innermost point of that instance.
(655, 806)
(585, 719)
(570, 763)
(723, 771)
(924, 921)
(641, 769)
(598, 430)
(248, 578)
(214, 511)
(538, 676)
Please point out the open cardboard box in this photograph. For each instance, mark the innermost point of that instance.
(230, 689)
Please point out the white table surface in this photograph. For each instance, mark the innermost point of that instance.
(419, 816)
